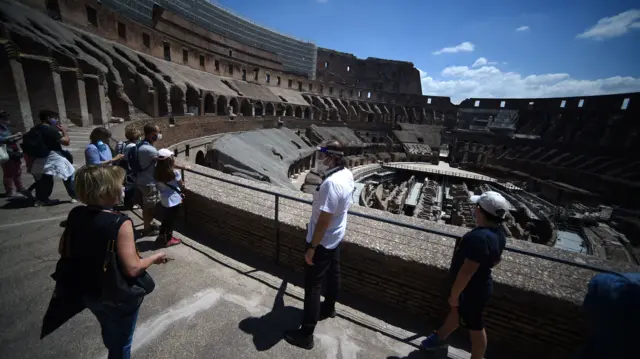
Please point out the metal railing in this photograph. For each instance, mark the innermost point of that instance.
(278, 195)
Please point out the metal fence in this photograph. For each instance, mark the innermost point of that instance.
(278, 196)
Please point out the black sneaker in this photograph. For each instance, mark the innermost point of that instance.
(326, 313)
(299, 338)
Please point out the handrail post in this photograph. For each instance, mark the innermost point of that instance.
(184, 203)
(277, 219)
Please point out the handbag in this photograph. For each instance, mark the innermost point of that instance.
(4, 155)
(116, 288)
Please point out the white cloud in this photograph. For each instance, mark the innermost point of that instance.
(613, 26)
(483, 62)
(523, 28)
(463, 47)
(460, 82)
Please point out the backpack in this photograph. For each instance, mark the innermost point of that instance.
(133, 162)
(33, 144)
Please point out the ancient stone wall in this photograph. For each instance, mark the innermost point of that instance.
(535, 310)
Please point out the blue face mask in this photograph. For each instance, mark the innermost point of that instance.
(53, 122)
(101, 146)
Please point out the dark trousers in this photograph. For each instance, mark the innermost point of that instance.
(326, 264)
(44, 187)
(168, 221)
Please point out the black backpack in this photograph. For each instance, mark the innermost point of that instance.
(33, 144)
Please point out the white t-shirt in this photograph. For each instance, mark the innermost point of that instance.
(169, 197)
(334, 196)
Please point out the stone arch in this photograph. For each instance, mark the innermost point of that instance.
(235, 106)
(209, 104)
(246, 108)
(177, 101)
(222, 104)
(259, 108)
(298, 112)
(193, 101)
(307, 113)
(280, 110)
(200, 159)
(289, 110)
(370, 117)
(270, 109)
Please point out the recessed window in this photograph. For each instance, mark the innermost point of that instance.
(429, 101)
(244, 75)
(368, 94)
(290, 83)
(267, 78)
(351, 93)
(230, 69)
(230, 53)
(310, 87)
(202, 60)
(341, 92)
(146, 40)
(330, 90)
(503, 104)
(122, 30)
(92, 15)
(477, 103)
(167, 51)
(216, 64)
(299, 86)
(581, 103)
(279, 80)
(348, 68)
(625, 104)
(185, 56)
(563, 103)
(321, 88)
(256, 73)
(326, 64)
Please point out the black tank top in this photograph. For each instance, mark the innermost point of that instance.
(89, 230)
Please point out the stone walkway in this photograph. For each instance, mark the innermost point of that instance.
(206, 305)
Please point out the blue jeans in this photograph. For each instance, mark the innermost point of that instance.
(117, 324)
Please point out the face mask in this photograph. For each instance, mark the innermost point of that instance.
(53, 122)
(157, 137)
(101, 146)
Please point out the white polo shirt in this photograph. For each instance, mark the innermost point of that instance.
(333, 196)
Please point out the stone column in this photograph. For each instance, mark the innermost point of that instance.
(95, 95)
(75, 96)
(14, 97)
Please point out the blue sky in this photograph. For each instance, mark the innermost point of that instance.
(520, 49)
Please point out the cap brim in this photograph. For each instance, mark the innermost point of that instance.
(474, 199)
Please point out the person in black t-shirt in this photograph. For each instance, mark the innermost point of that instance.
(475, 254)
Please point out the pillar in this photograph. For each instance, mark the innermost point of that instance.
(44, 85)
(14, 97)
(95, 95)
(75, 97)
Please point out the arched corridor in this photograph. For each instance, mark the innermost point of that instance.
(307, 113)
(200, 159)
(235, 106)
(246, 108)
(298, 112)
(289, 111)
(258, 108)
(193, 101)
(177, 101)
(209, 104)
(222, 106)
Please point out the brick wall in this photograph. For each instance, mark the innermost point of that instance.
(535, 310)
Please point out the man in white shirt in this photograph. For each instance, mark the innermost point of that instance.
(325, 232)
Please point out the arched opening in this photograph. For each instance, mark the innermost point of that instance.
(279, 109)
(271, 110)
(298, 112)
(177, 101)
(235, 106)
(209, 104)
(289, 111)
(193, 101)
(307, 113)
(370, 117)
(259, 108)
(200, 159)
(246, 108)
(222, 105)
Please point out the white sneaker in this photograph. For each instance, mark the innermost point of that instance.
(73, 200)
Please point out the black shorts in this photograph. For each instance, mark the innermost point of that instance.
(471, 308)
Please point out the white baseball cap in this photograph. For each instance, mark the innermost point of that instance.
(492, 202)
(165, 153)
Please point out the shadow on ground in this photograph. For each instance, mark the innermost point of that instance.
(268, 329)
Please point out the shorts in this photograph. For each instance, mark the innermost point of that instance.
(149, 196)
(470, 310)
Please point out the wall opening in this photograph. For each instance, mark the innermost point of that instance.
(235, 106)
(193, 101)
(230, 53)
(348, 68)
(290, 83)
(360, 94)
(503, 104)
(321, 89)
(230, 69)
(167, 51)
(185, 56)
(429, 101)
(146, 40)
(581, 102)
(177, 101)
(200, 159)
(279, 80)
(326, 64)
(71, 93)
(625, 104)
(244, 75)
(221, 105)
(330, 90)
(246, 108)
(477, 103)
(94, 100)
(209, 104)
(289, 111)
(267, 78)
(298, 112)
(258, 108)
(563, 103)
(270, 109)
(92, 15)
(256, 72)
(368, 94)
(216, 65)
(201, 60)
(310, 87)
(299, 85)
(122, 31)
(307, 113)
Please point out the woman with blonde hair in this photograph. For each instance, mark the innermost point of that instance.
(91, 233)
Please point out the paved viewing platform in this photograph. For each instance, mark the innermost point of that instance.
(207, 303)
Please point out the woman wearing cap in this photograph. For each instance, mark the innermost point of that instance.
(475, 254)
(169, 183)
